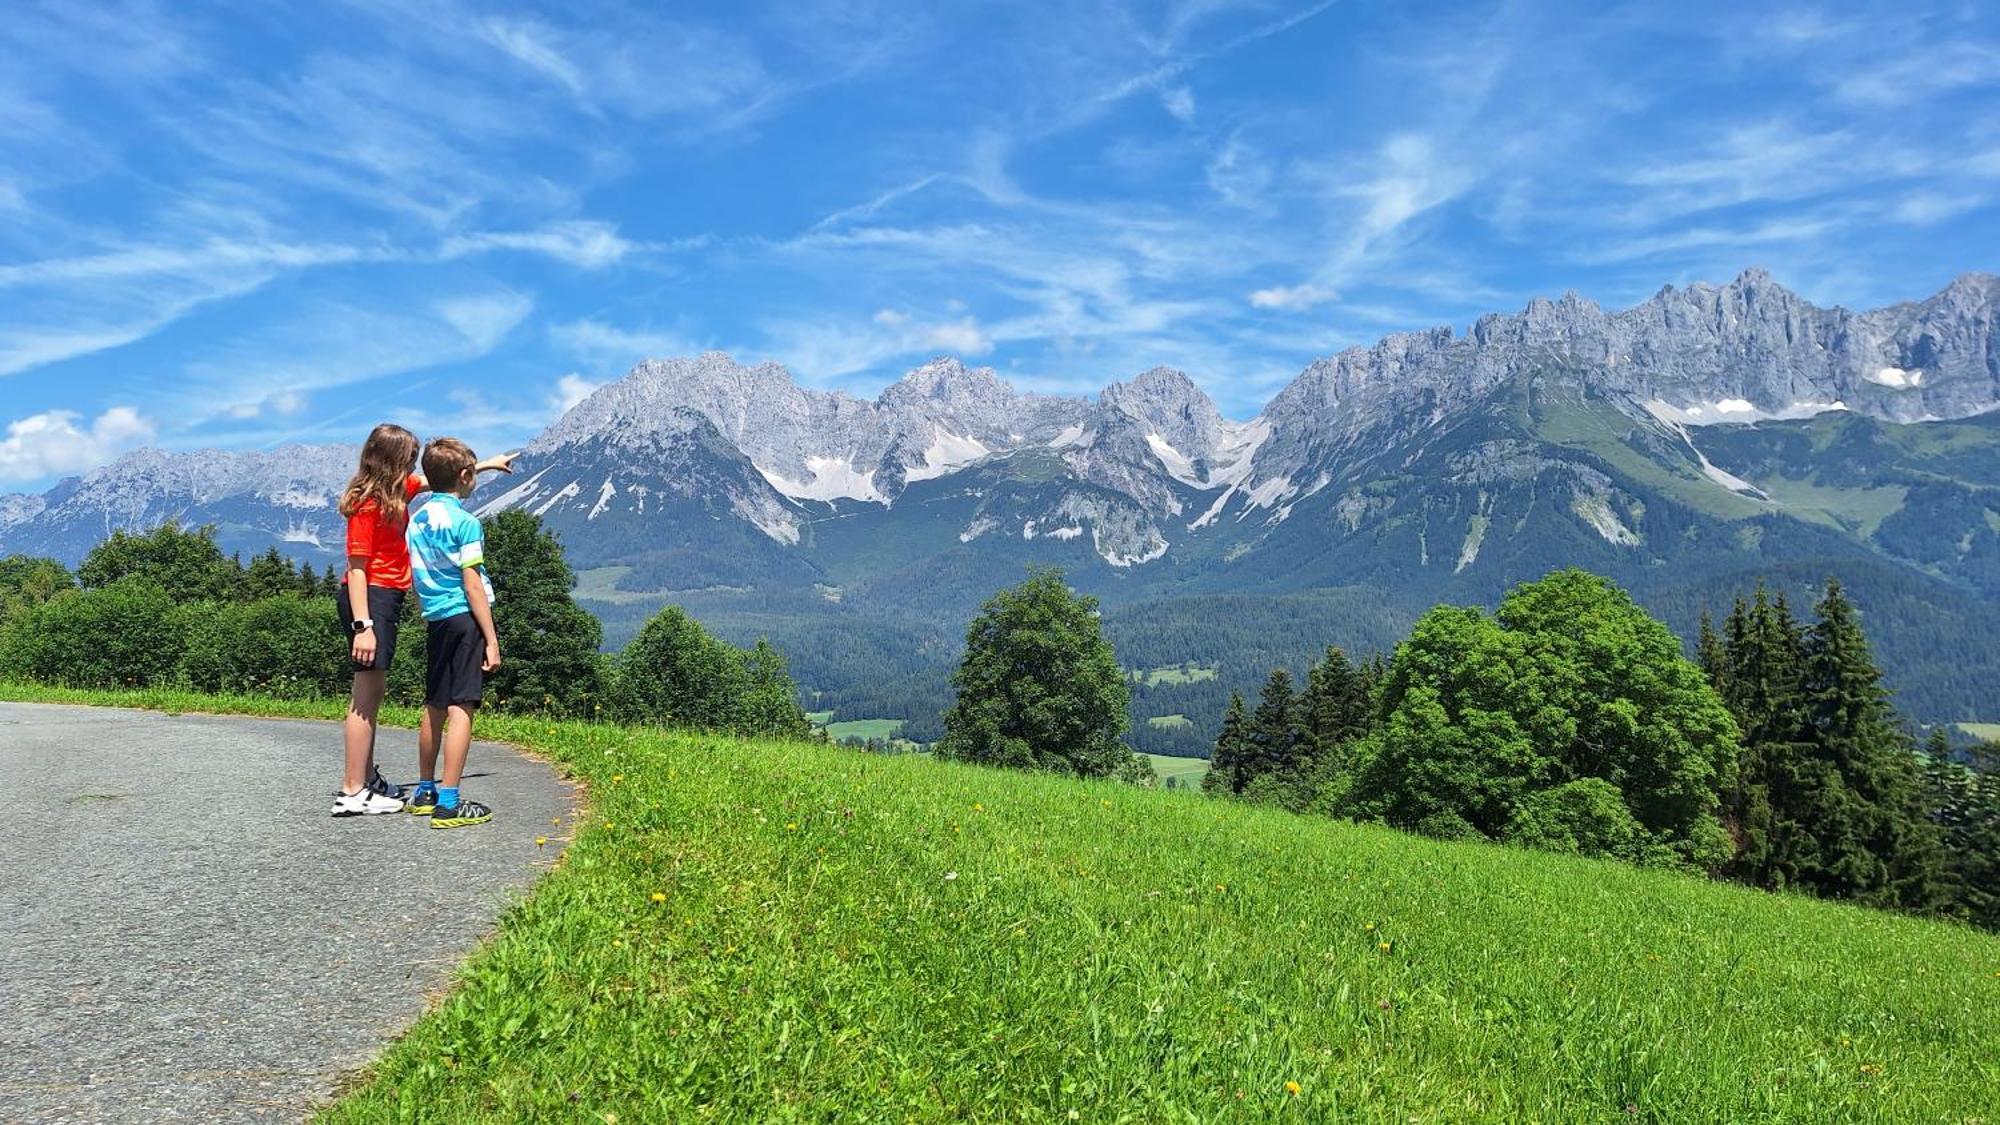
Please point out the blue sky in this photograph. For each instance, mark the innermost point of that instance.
(242, 224)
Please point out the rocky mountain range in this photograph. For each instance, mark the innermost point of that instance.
(1705, 433)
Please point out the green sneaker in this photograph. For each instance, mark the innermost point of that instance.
(465, 814)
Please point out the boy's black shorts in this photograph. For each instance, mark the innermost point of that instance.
(454, 648)
(385, 608)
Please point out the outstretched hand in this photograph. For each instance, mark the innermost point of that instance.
(504, 463)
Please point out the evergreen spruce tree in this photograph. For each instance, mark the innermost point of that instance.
(1277, 732)
(269, 575)
(548, 643)
(1335, 707)
(1226, 761)
(1860, 793)
(1712, 655)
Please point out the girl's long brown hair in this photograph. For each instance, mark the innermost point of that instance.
(386, 460)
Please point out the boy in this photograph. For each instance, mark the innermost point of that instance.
(448, 569)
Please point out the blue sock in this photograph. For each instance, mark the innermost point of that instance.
(447, 797)
(427, 785)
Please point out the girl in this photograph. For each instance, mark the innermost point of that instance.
(376, 504)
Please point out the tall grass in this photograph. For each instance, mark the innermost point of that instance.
(756, 931)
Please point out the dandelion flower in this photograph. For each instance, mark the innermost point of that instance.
(659, 896)
(792, 826)
(1385, 947)
(1292, 1088)
(1370, 927)
(977, 807)
(616, 778)
(540, 840)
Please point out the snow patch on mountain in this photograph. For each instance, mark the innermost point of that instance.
(1735, 410)
(1269, 493)
(1177, 466)
(1894, 377)
(604, 495)
(564, 493)
(832, 478)
(947, 453)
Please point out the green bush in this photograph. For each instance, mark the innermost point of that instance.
(1585, 817)
(284, 646)
(184, 563)
(675, 674)
(126, 634)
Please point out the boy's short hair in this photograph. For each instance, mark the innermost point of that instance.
(445, 461)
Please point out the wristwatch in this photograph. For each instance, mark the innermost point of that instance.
(361, 626)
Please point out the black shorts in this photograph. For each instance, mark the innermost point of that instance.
(454, 648)
(385, 608)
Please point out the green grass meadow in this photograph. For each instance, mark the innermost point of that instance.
(1985, 732)
(1172, 674)
(746, 931)
(1189, 770)
(864, 728)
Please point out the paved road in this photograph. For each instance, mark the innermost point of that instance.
(186, 935)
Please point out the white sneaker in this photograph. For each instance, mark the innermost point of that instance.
(367, 802)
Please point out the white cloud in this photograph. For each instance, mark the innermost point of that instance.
(891, 318)
(590, 245)
(570, 390)
(962, 336)
(52, 442)
(487, 319)
(528, 43)
(1239, 174)
(1179, 101)
(338, 344)
(1923, 208)
(1292, 297)
(607, 345)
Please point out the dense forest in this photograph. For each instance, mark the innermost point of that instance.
(1572, 720)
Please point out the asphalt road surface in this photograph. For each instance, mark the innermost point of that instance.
(186, 935)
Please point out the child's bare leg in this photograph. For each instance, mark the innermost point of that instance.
(457, 742)
(359, 728)
(428, 732)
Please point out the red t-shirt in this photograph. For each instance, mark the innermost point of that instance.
(379, 539)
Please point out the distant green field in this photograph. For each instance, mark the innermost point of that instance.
(864, 728)
(600, 584)
(1169, 722)
(1860, 510)
(1172, 674)
(1987, 732)
(1189, 770)
(744, 930)
(819, 718)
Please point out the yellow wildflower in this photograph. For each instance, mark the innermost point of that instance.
(540, 840)
(1292, 1088)
(659, 896)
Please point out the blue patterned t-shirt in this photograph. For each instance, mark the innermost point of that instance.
(444, 539)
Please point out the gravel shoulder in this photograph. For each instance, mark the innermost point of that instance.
(188, 936)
